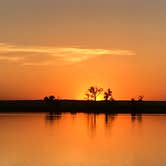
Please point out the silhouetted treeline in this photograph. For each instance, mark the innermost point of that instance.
(84, 106)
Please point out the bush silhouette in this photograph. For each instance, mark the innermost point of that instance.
(108, 95)
(49, 99)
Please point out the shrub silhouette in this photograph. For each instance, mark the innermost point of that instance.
(49, 99)
(108, 95)
(140, 98)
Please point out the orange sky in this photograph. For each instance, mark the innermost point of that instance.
(63, 47)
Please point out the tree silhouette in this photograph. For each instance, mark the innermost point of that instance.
(46, 98)
(132, 99)
(87, 96)
(94, 92)
(49, 99)
(140, 98)
(108, 95)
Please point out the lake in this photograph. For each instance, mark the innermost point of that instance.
(82, 140)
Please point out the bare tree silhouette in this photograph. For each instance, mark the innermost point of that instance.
(108, 95)
(94, 92)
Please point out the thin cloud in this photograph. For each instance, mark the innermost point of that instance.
(53, 55)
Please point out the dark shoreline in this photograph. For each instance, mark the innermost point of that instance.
(74, 106)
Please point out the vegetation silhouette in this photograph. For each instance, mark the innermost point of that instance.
(87, 96)
(93, 93)
(49, 99)
(108, 95)
(53, 105)
(139, 98)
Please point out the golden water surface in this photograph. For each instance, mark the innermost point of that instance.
(82, 140)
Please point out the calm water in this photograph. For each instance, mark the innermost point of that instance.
(82, 140)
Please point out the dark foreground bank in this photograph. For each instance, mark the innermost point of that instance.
(84, 106)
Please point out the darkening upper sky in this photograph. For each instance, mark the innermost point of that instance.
(62, 47)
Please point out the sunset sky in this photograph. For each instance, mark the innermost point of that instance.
(62, 47)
